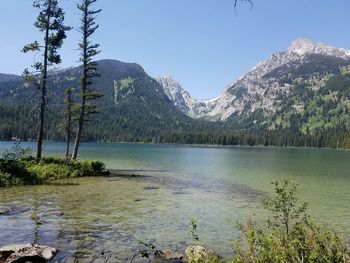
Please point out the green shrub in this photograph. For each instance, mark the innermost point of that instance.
(17, 153)
(7, 179)
(290, 236)
(14, 172)
(307, 242)
(87, 168)
(18, 168)
(97, 166)
(52, 168)
(316, 243)
(54, 160)
(49, 172)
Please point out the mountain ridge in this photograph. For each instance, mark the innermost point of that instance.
(8, 77)
(258, 88)
(298, 97)
(134, 106)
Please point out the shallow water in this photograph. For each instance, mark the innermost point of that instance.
(98, 218)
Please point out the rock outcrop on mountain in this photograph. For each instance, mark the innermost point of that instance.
(275, 91)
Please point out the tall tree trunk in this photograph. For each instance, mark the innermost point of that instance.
(83, 91)
(69, 121)
(88, 51)
(43, 86)
(80, 128)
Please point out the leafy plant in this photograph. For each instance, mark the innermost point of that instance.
(284, 206)
(12, 167)
(17, 153)
(283, 241)
(147, 250)
(20, 169)
(193, 230)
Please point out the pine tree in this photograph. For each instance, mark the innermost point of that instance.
(89, 68)
(50, 22)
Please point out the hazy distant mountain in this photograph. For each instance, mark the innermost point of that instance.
(306, 86)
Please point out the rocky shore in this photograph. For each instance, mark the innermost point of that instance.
(24, 253)
(34, 253)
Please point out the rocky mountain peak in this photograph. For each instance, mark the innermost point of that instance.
(303, 46)
(256, 90)
(171, 87)
(169, 81)
(180, 97)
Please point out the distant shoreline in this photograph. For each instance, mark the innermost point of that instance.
(196, 145)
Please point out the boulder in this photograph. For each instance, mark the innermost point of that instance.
(198, 253)
(169, 256)
(23, 253)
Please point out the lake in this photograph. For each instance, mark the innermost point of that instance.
(163, 188)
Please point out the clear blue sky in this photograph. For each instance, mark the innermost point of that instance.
(201, 43)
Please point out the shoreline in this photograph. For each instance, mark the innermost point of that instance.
(214, 146)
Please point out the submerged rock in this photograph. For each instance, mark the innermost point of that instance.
(23, 253)
(151, 187)
(169, 256)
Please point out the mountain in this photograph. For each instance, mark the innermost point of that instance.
(306, 86)
(298, 97)
(134, 106)
(196, 109)
(182, 99)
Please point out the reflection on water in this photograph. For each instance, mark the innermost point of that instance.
(154, 192)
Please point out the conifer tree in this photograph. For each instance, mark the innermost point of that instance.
(89, 68)
(50, 22)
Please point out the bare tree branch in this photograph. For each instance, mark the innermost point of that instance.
(250, 2)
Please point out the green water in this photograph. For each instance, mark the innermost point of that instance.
(219, 186)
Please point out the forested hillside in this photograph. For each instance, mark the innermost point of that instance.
(135, 108)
